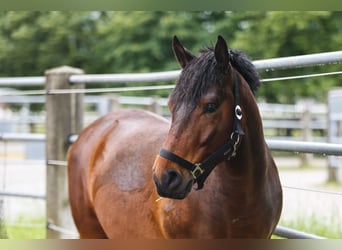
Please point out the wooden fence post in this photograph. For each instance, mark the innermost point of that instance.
(114, 102)
(334, 117)
(64, 117)
(155, 106)
(306, 131)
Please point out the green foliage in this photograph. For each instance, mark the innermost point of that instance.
(138, 41)
(35, 41)
(279, 34)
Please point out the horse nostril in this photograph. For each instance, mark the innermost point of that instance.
(171, 179)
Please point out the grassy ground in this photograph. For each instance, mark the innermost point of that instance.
(314, 224)
(326, 222)
(26, 228)
(33, 228)
(311, 212)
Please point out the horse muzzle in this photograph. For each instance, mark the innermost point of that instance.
(170, 183)
(169, 187)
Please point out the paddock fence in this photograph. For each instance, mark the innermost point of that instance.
(64, 100)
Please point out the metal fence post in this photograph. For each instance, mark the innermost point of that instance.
(64, 116)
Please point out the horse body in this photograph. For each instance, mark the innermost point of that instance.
(116, 176)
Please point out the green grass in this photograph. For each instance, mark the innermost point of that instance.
(26, 228)
(327, 225)
(330, 227)
(33, 228)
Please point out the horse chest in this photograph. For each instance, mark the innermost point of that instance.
(180, 219)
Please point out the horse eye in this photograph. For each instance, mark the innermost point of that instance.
(210, 107)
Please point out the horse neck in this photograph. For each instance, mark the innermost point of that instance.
(252, 122)
(252, 153)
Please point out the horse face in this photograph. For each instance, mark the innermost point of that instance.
(193, 139)
(200, 122)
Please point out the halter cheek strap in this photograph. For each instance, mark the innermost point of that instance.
(200, 171)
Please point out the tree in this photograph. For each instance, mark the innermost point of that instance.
(279, 34)
(140, 41)
(32, 42)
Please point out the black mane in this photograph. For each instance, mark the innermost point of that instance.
(243, 64)
(199, 75)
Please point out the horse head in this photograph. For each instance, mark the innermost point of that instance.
(206, 125)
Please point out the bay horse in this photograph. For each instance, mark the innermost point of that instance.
(132, 174)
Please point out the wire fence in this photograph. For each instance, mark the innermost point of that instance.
(118, 78)
(266, 64)
(64, 164)
(269, 64)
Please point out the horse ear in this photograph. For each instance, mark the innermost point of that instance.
(221, 54)
(182, 54)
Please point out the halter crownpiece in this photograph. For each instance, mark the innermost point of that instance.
(201, 171)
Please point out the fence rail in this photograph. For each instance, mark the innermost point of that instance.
(276, 145)
(275, 116)
(305, 147)
(22, 195)
(274, 63)
(22, 137)
(299, 61)
(25, 81)
(294, 234)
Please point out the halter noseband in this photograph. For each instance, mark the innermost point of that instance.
(200, 171)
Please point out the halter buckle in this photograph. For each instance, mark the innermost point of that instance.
(236, 139)
(197, 171)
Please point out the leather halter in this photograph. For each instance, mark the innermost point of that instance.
(200, 171)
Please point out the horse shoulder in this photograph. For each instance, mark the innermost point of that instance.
(121, 185)
(110, 163)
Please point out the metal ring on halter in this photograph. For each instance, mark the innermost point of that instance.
(238, 112)
(235, 141)
(234, 145)
(237, 138)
